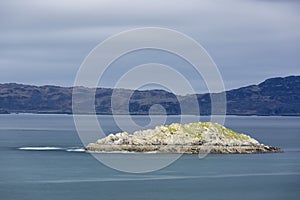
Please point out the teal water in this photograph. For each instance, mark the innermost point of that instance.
(62, 172)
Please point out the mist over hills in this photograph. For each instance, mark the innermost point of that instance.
(274, 96)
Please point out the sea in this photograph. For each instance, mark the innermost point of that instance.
(42, 158)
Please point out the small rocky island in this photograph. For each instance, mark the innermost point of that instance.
(192, 138)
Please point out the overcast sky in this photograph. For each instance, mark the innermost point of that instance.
(45, 42)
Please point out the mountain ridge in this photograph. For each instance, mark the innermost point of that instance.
(277, 96)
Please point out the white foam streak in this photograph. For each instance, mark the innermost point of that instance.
(149, 178)
(40, 148)
(76, 150)
(52, 149)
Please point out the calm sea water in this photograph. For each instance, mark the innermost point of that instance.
(28, 170)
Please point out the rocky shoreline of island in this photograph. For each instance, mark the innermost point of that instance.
(193, 149)
(192, 138)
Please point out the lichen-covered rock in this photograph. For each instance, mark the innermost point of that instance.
(182, 138)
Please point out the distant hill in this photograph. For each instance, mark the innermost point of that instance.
(275, 96)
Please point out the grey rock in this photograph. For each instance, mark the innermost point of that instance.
(182, 138)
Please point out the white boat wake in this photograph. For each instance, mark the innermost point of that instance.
(52, 149)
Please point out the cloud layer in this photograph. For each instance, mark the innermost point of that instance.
(44, 42)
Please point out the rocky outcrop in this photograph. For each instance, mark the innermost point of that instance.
(201, 137)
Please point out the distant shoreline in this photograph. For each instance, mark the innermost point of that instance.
(59, 113)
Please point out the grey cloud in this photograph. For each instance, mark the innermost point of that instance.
(249, 40)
